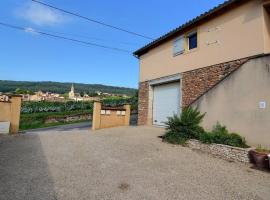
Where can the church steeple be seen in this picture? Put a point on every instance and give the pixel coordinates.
(72, 88)
(71, 94)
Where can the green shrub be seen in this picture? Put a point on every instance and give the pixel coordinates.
(181, 128)
(184, 127)
(220, 135)
(119, 101)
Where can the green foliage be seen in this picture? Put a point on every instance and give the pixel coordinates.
(183, 127)
(65, 95)
(220, 135)
(119, 101)
(43, 106)
(20, 91)
(34, 114)
(37, 120)
(187, 126)
(61, 88)
(262, 149)
(174, 138)
(36, 125)
(92, 94)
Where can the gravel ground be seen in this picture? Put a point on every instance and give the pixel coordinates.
(119, 163)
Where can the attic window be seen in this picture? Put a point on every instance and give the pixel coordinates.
(192, 40)
(178, 46)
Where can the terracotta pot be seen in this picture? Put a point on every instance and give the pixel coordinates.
(259, 159)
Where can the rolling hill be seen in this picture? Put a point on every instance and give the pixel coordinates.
(61, 88)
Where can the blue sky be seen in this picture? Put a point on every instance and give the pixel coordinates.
(30, 57)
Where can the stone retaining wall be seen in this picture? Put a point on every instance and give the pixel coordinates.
(223, 151)
(71, 118)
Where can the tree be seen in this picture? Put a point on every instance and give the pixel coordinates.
(92, 94)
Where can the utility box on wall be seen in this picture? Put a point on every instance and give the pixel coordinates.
(4, 127)
(106, 117)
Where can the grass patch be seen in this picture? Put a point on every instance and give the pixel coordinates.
(36, 126)
(262, 149)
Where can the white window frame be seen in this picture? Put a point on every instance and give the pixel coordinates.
(188, 35)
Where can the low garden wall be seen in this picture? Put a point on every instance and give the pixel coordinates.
(110, 116)
(223, 151)
(10, 107)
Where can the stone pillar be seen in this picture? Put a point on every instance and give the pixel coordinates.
(96, 116)
(16, 102)
(143, 103)
(127, 116)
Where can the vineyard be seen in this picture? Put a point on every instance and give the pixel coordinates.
(40, 107)
(35, 114)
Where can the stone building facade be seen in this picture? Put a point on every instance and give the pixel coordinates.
(194, 84)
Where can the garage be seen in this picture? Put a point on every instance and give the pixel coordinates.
(166, 102)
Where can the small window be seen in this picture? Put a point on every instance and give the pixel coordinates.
(178, 46)
(192, 40)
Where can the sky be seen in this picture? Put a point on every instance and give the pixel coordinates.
(27, 56)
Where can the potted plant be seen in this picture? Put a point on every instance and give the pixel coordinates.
(260, 157)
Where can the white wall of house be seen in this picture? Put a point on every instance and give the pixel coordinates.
(242, 102)
(238, 33)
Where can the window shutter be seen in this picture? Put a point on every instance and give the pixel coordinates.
(178, 46)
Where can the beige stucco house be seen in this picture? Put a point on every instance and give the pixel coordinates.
(219, 62)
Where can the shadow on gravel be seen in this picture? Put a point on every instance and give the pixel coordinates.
(24, 172)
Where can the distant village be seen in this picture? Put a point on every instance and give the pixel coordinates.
(55, 97)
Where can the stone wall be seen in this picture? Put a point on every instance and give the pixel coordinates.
(143, 103)
(223, 151)
(71, 118)
(197, 82)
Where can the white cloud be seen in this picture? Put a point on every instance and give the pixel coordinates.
(31, 30)
(40, 15)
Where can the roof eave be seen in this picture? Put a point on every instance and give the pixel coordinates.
(195, 21)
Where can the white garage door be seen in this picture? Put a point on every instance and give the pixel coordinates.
(166, 102)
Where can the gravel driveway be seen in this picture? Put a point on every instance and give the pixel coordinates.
(119, 163)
